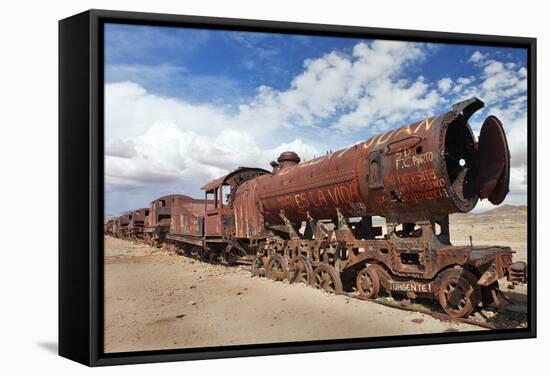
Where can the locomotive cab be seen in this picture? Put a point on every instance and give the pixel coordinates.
(218, 193)
(219, 219)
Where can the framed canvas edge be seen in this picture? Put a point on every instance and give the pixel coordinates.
(74, 279)
(95, 207)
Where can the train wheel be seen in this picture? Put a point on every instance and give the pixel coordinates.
(368, 283)
(328, 279)
(277, 268)
(258, 266)
(458, 294)
(302, 270)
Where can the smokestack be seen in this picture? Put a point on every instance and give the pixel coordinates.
(287, 159)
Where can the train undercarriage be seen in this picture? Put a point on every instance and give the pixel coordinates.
(412, 260)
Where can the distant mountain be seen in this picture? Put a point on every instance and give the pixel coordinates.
(507, 210)
(519, 211)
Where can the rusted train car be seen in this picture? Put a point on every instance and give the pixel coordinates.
(120, 225)
(187, 224)
(158, 221)
(137, 223)
(312, 222)
(205, 227)
(108, 227)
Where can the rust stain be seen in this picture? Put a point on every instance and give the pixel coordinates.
(308, 222)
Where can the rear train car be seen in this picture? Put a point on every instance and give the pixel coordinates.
(137, 223)
(187, 224)
(158, 220)
(120, 229)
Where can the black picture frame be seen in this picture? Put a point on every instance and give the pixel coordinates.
(81, 186)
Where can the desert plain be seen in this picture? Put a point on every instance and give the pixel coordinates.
(156, 299)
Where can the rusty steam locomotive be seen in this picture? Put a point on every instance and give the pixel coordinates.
(312, 222)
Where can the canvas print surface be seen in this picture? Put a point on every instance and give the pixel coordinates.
(266, 188)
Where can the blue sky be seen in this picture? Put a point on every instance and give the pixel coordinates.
(228, 66)
(242, 61)
(222, 99)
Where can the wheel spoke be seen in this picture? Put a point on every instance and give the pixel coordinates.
(367, 283)
(456, 294)
(326, 277)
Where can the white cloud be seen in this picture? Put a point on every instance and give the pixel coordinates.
(121, 149)
(166, 145)
(388, 105)
(158, 145)
(503, 87)
(364, 90)
(476, 57)
(367, 82)
(515, 125)
(465, 80)
(493, 67)
(444, 84)
(518, 182)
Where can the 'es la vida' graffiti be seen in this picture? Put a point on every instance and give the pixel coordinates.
(322, 197)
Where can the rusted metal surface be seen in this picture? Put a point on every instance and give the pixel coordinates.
(121, 224)
(220, 220)
(311, 221)
(437, 315)
(159, 219)
(159, 210)
(414, 176)
(422, 171)
(517, 272)
(108, 227)
(186, 216)
(246, 211)
(137, 223)
(494, 168)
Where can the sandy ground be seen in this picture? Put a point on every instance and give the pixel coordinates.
(157, 300)
(507, 229)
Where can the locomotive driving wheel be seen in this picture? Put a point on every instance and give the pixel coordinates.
(277, 268)
(367, 283)
(302, 270)
(258, 266)
(458, 293)
(328, 279)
